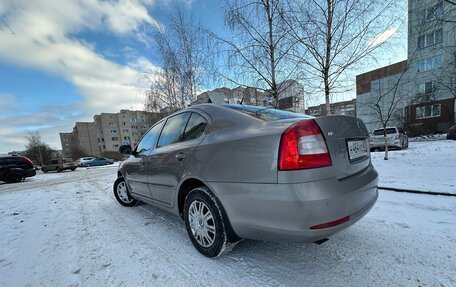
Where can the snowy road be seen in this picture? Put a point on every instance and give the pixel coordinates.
(67, 229)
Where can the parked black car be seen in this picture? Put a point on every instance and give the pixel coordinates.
(451, 135)
(15, 168)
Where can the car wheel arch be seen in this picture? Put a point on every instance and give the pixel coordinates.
(191, 183)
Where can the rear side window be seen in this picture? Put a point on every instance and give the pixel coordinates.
(148, 141)
(195, 127)
(7, 161)
(54, 161)
(173, 130)
(265, 113)
(388, 132)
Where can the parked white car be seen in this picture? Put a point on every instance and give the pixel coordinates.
(397, 139)
(82, 160)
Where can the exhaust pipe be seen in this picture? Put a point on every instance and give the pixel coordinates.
(321, 241)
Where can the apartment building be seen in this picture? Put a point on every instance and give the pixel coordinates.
(347, 108)
(291, 96)
(83, 139)
(125, 127)
(432, 66)
(383, 86)
(424, 86)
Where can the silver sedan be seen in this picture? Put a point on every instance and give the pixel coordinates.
(237, 171)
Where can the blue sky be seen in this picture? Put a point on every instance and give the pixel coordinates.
(66, 63)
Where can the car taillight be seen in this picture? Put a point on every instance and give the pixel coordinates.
(62, 161)
(29, 162)
(302, 146)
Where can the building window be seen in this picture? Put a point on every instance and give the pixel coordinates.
(126, 138)
(430, 63)
(115, 145)
(113, 131)
(143, 120)
(426, 88)
(114, 138)
(133, 120)
(112, 124)
(430, 111)
(125, 130)
(429, 14)
(124, 123)
(430, 39)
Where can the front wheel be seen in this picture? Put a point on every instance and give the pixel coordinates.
(204, 222)
(121, 193)
(58, 169)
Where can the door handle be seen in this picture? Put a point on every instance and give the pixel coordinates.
(180, 156)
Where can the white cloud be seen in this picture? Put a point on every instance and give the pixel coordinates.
(383, 37)
(44, 40)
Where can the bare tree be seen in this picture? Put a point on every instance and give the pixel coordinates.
(386, 102)
(257, 51)
(37, 150)
(335, 35)
(182, 47)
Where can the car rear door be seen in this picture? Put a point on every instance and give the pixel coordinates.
(179, 138)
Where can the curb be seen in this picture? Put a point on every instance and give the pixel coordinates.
(416, 191)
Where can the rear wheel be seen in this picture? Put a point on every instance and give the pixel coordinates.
(204, 222)
(121, 193)
(44, 170)
(13, 177)
(73, 169)
(58, 169)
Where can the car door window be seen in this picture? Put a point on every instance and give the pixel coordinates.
(148, 141)
(173, 129)
(195, 127)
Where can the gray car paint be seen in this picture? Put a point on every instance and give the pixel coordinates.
(237, 158)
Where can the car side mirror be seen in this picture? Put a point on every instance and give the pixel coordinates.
(125, 149)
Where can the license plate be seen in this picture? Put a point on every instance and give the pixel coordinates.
(357, 149)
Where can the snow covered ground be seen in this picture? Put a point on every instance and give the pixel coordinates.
(66, 229)
(424, 166)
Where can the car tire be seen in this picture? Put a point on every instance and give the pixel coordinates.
(121, 193)
(73, 169)
(58, 169)
(209, 235)
(44, 170)
(13, 177)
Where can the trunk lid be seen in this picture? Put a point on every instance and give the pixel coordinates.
(347, 140)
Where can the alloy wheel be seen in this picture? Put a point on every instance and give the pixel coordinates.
(122, 192)
(202, 223)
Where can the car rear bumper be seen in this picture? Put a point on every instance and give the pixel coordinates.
(285, 212)
(29, 172)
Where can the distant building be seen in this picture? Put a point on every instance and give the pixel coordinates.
(83, 138)
(248, 96)
(382, 81)
(347, 108)
(427, 78)
(291, 96)
(126, 127)
(108, 132)
(67, 141)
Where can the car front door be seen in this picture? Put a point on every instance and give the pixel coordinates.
(179, 138)
(135, 167)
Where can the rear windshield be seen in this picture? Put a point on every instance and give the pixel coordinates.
(388, 132)
(265, 113)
